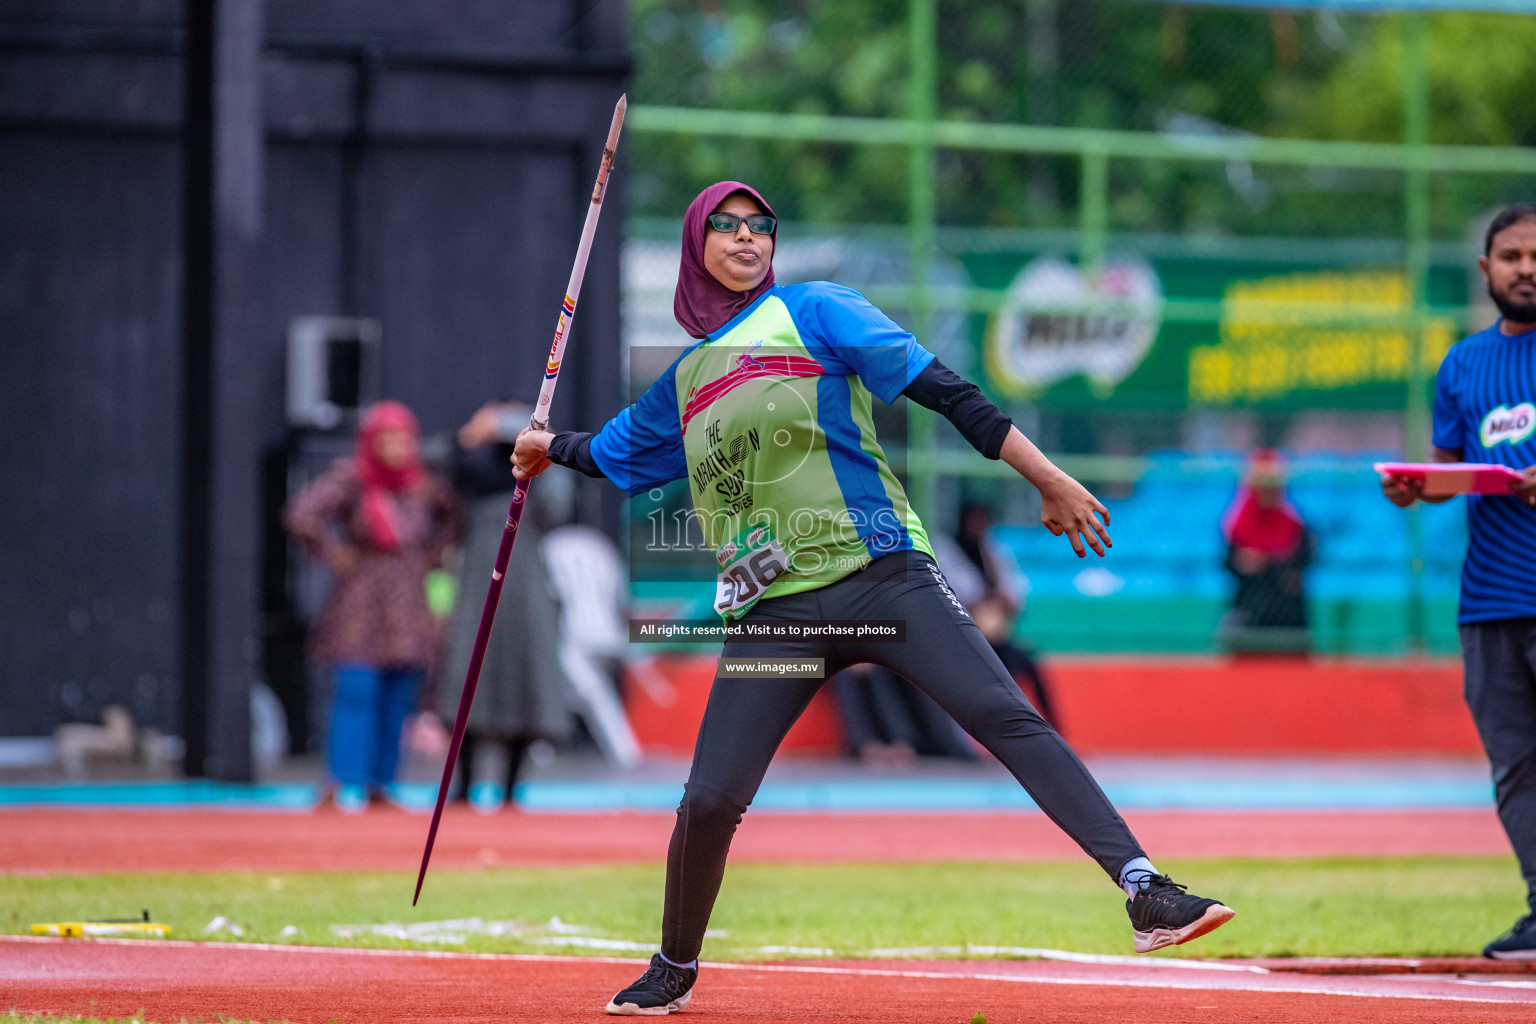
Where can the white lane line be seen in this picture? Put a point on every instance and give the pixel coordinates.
(1088, 981)
(1235, 985)
(426, 954)
(915, 952)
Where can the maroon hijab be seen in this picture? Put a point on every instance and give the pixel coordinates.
(702, 304)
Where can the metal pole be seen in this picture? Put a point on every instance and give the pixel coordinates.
(223, 140)
(1071, 141)
(1093, 206)
(920, 171)
(1416, 223)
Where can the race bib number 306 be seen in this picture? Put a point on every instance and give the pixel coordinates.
(748, 566)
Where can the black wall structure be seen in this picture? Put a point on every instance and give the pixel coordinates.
(178, 179)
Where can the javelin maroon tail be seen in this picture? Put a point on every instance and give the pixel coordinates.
(538, 421)
(472, 676)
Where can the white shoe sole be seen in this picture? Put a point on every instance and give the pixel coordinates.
(1513, 954)
(631, 1010)
(1213, 918)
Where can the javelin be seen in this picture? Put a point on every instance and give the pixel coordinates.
(538, 421)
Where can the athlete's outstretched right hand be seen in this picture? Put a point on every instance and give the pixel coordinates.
(530, 456)
(1066, 507)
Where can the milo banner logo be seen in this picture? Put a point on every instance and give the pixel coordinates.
(1511, 426)
(1059, 321)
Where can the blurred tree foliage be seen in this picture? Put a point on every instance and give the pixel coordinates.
(1127, 64)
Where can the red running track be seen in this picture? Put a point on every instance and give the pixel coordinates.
(90, 841)
(169, 981)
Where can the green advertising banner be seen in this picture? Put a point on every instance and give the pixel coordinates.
(1174, 333)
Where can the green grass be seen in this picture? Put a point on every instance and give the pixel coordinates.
(1357, 907)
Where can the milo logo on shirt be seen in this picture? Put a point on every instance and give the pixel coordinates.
(1511, 425)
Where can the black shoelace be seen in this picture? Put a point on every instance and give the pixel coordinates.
(671, 980)
(1151, 883)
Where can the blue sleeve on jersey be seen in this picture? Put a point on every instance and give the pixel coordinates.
(848, 334)
(1449, 431)
(642, 447)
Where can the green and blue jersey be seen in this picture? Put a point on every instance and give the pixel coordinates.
(769, 419)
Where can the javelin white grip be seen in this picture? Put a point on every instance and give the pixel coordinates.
(540, 418)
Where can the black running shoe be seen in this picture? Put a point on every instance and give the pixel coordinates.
(1165, 914)
(1519, 943)
(661, 989)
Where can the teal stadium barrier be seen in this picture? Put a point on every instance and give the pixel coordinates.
(1164, 588)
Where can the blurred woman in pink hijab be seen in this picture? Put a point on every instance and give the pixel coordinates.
(381, 521)
(1268, 546)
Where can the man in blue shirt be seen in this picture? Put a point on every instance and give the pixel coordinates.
(1485, 411)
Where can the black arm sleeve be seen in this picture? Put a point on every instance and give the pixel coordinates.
(979, 421)
(573, 450)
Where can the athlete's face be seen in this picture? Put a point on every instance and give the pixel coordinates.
(738, 259)
(1510, 270)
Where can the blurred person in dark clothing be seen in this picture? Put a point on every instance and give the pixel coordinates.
(381, 521)
(887, 720)
(1268, 546)
(987, 583)
(523, 696)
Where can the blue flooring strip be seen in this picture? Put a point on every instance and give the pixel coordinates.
(950, 795)
(842, 795)
(171, 795)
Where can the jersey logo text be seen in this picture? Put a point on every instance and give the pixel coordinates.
(1508, 425)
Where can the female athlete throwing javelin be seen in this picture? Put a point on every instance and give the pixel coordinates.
(768, 417)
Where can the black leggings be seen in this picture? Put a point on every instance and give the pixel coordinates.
(944, 655)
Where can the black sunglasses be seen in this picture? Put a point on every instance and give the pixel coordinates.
(757, 223)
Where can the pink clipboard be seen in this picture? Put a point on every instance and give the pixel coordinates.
(1442, 478)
